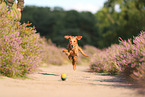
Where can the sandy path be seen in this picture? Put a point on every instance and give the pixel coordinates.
(47, 83)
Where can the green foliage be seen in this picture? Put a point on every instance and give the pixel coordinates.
(125, 22)
(55, 23)
(101, 29)
(19, 46)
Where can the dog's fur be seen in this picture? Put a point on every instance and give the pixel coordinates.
(73, 49)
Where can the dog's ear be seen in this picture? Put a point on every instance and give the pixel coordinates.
(66, 37)
(79, 37)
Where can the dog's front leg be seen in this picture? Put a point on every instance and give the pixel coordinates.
(74, 59)
(66, 52)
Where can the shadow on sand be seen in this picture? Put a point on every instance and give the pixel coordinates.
(48, 74)
(117, 81)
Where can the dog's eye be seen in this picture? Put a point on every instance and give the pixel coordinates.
(74, 41)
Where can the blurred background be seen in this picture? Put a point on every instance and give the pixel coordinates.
(100, 22)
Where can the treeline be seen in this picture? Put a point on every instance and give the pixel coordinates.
(55, 24)
(101, 29)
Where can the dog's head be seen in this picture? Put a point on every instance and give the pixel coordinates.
(73, 39)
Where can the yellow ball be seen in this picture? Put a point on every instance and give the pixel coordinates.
(63, 77)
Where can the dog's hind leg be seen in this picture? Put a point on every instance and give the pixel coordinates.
(82, 52)
(74, 59)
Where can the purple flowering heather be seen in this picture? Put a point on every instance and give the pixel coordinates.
(19, 47)
(133, 54)
(128, 58)
(104, 61)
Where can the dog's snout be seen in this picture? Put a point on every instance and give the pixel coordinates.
(72, 46)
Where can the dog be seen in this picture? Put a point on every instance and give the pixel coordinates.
(73, 49)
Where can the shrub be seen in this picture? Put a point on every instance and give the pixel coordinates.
(90, 51)
(52, 55)
(104, 61)
(19, 46)
(128, 58)
(132, 56)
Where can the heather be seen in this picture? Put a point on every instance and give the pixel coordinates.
(19, 46)
(104, 60)
(90, 51)
(127, 58)
(132, 57)
(51, 54)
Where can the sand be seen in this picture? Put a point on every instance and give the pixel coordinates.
(80, 83)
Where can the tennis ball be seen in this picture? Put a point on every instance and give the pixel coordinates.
(63, 77)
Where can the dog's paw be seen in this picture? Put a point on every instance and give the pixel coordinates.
(64, 50)
(74, 68)
(87, 56)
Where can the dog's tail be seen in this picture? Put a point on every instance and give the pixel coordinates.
(83, 52)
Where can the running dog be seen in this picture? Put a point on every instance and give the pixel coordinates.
(73, 49)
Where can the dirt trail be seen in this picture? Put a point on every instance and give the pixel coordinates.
(79, 83)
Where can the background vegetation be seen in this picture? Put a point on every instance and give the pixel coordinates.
(100, 29)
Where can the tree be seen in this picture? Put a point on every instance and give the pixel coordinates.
(127, 22)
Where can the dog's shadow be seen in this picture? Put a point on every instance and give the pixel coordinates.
(48, 74)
